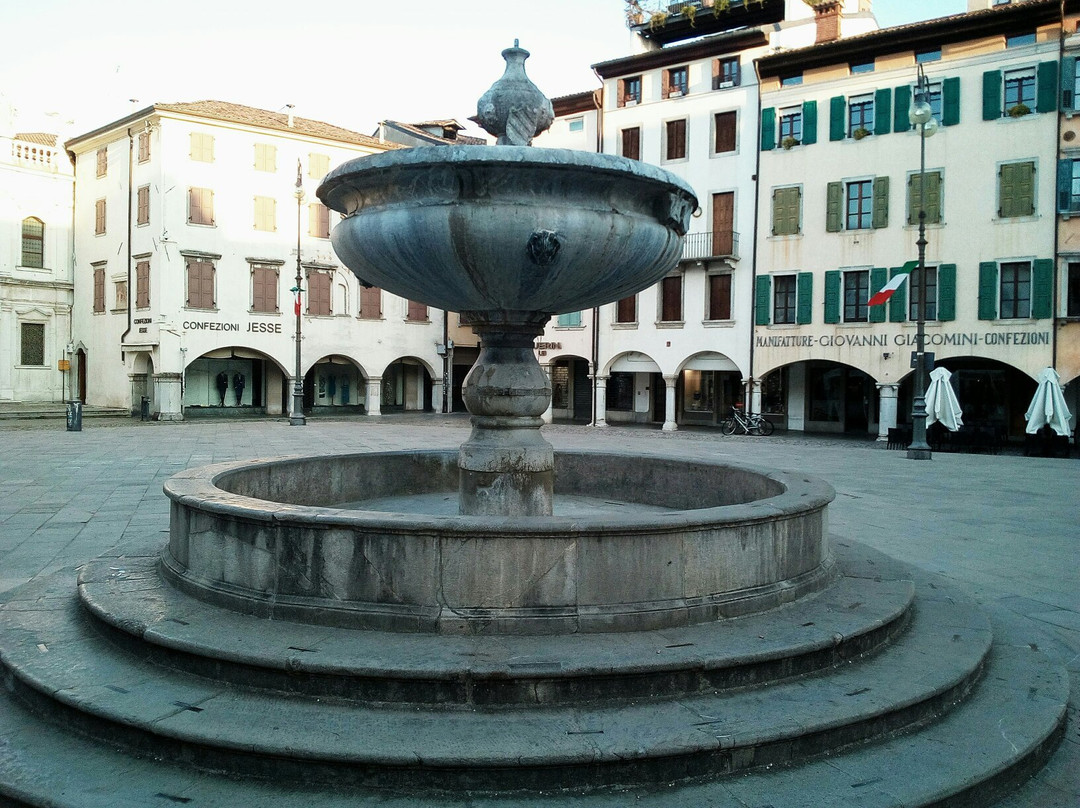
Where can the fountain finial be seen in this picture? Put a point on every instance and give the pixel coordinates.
(513, 109)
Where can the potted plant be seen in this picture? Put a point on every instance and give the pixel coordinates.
(689, 11)
(1019, 110)
(789, 141)
(860, 133)
(657, 20)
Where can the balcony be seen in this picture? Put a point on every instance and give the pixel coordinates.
(711, 244)
(667, 23)
(32, 155)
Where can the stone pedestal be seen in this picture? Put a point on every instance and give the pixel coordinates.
(601, 400)
(670, 424)
(886, 409)
(507, 468)
(374, 396)
(169, 397)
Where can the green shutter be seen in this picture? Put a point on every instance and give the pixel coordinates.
(879, 276)
(809, 122)
(837, 118)
(950, 101)
(832, 296)
(1016, 189)
(768, 128)
(902, 103)
(882, 111)
(946, 292)
(763, 300)
(1046, 87)
(933, 197)
(988, 278)
(804, 298)
(913, 199)
(1068, 77)
(881, 202)
(1064, 186)
(570, 319)
(898, 302)
(991, 95)
(834, 198)
(1042, 288)
(786, 211)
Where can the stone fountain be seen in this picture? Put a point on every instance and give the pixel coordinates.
(573, 627)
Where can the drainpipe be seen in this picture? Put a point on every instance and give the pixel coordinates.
(130, 290)
(598, 102)
(1055, 286)
(748, 393)
(70, 374)
(595, 356)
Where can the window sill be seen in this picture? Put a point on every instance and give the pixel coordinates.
(784, 237)
(201, 224)
(728, 153)
(364, 319)
(1034, 217)
(1012, 322)
(718, 323)
(670, 323)
(142, 224)
(31, 367)
(118, 310)
(416, 322)
(569, 327)
(929, 226)
(624, 326)
(196, 308)
(667, 161)
(257, 313)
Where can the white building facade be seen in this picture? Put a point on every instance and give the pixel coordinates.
(187, 224)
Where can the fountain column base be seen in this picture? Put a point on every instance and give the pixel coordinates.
(507, 468)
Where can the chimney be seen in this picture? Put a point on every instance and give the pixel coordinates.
(827, 20)
(290, 108)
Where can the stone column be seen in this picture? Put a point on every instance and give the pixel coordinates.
(549, 414)
(374, 396)
(168, 396)
(669, 404)
(601, 400)
(755, 395)
(886, 409)
(437, 394)
(507, 468)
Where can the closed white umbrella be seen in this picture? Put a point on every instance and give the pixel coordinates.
(941, 403)
(1048, 407)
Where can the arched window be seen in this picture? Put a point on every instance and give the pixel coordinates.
(33, 242)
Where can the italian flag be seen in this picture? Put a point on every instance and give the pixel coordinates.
(296, 305)
(894, 283)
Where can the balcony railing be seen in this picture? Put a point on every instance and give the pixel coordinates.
(34, 155)
(711, 244)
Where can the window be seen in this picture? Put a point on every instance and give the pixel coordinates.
(860, 120)
(856, 294)
(142, 285)
(202, 147)
(576, 124)
(1019, 89)
(931, 294)
(861, 67)
(417, 312)
(631, 143)
(671, 299)
(318, 166)
(121, 297)
(102, 161)
(99, 288)
(99, 217)
(791, 126)
(1015, 290)
(265, 213)
(922, 57)
(935, 100)
(620, 392)
(1019, 40)
(371, 303)
(725, 73)
(629, 91)
(676, 81)
(1016, 190)
(791, 81)
(200, 206)
(1072, 290)
(1069, 186)
(784, 299)
(142, 214)
(318, 220)
(924, 190)
(724, 132)
(318, 289)
(32, 339)
(33, 243)
(787, 209)
(719, 300)
(265, 157)
(570, 319)
(200, 283)
(264, 288)
(675, 139)
(626, 309)
(859, 205)
(144, 146)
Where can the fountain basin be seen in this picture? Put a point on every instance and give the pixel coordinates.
(678, 543)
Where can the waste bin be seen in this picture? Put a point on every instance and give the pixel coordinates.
(144, 409)
(74, 416)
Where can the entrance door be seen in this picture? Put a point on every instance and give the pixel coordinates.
(659, 397)
(723, 212)
(81, 357)
(582, 391)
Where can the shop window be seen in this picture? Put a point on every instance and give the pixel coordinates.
(33, 243)
(719, 302)
(924, 190)
(142, 285)
(1072, 290)
(99, 217)
(826, 387)
(784, 299)
(142, 207)
(371, 303)
(676, 81)
(675, 139)
(699, 391)
(200, 284)
(264, 288)
(787, 211)
(318, 220)
(571, 319)
(560, 386)
(265, 157)
(200, 206)
(931, 294)
(629, 91)
(202, 147)
(99, 288)
(774, 392)
(626, 310)
(1016, 189)
(265, 213)
(620, 392)
(417, 312)
(725, 73)
(144, 146)
(724, 124)
(671, 299)
(857, 204)
(32, 344)
(319, 290)
(856, 295)
(631, 143)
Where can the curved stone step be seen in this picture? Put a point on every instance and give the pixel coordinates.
(1005, 729)
(83, 680)
(854, 617)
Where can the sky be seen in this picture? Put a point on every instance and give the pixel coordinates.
(80, 65)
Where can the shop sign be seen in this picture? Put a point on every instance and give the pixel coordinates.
(548, 346)
(252, 328)
(973, 339)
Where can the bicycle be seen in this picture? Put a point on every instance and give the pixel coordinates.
(751, 423)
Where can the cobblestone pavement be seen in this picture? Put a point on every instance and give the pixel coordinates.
(1004, 527)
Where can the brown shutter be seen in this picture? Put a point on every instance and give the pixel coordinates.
(671, 293)
(676, 139)
(144, 146)
(99, 289)
(144, 205)
(626, 310)
(622, 93)
(142, 284)
(725, 132)
(631, 143)
(417, 311)
(720, 297)
(665, 89)
(371, 303)
(723, 223)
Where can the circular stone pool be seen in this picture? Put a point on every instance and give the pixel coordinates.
(635, 543)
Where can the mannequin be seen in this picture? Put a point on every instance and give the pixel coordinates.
(222, 386)
(238, 382)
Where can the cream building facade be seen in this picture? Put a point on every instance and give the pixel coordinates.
(187, 225)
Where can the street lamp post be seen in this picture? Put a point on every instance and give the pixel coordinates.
(296, 418)
(922, 118)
